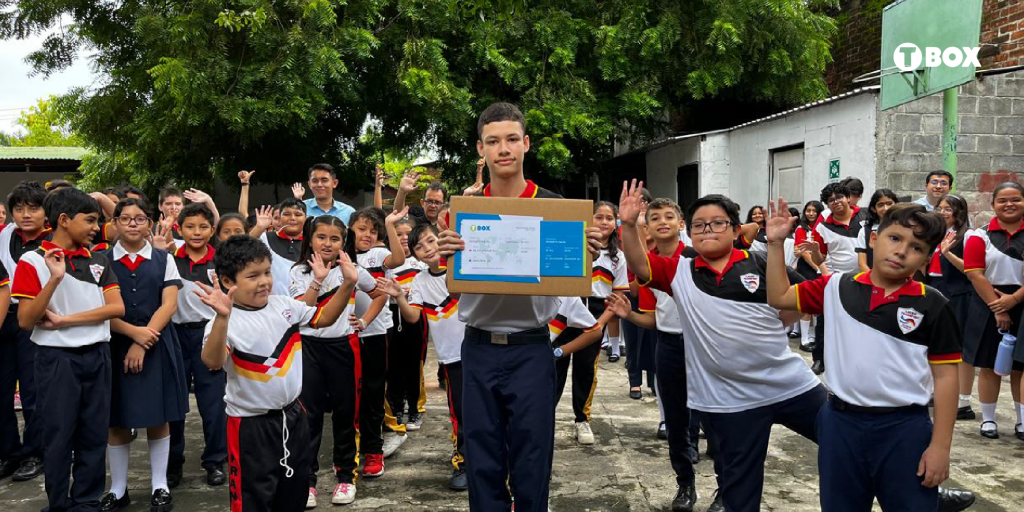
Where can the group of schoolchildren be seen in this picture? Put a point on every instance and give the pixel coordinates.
(227, 304)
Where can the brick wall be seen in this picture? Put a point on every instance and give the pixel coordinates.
(990, 148)
(857, 48)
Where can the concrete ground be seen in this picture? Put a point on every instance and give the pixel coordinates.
(627, 469)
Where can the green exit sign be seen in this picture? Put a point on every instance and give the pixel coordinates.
(833, 170)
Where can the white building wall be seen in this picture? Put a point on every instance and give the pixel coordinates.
(843, 129)
(663, 164)
(714, 164)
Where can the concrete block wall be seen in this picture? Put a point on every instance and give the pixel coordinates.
(714, 164)
(990, 146)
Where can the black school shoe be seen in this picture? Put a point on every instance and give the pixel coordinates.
(954, 500)
(818, 367)
(458, 481)
(162, 501)
(685, 499)
(216, 476)
(662, 431)
(614, 358)
(109, 502)
(716, 502)
(174, 476)
(636, 394)
(965, 413)
(29, 469)
(8, 468)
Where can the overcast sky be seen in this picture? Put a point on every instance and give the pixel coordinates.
(19, 91)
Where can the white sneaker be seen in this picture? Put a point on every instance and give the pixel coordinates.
(344, 494)
(311, 500)
(415, 422)
(584, 435)
(391, 443)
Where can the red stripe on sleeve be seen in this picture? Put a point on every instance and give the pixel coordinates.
(810, 295)
(26, 281)
(974, 254)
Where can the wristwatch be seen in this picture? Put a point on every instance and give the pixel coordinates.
(558, 352)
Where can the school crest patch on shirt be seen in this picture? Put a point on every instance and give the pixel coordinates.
(97, 271)
(287, 314)
(908, 319)
(751, 282)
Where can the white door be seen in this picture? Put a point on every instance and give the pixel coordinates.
(788, 175)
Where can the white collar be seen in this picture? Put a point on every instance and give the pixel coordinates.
(146, 252)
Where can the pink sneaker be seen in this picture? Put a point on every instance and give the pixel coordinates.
(311, 500)
(344, 494)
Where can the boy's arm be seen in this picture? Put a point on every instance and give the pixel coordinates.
(264, 219)
(106, 205)
(114, 308)
(243, 195)
(397, 256)
(620, 306)
(198, 196)
(5, 299)
(405, 187)
(215, 351)
(336, 306)
(934, 464)
(411, 314)
(591, 336)
(632, 246)
(378, 183)
(779, 292)
(390, 287)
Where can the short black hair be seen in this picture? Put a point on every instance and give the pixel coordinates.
(437, 185)
(27, 193)
(832, 189)
(55, 185)
(235, 253)
(661, 203)
(321, 167)
(927, 226)
(942, 173)
(855, 185)
(68, 201)
(732, 210)
(498, 112)
(168, 192)
(291, 202)
(417, 232)
(131, 189)
(645, 195)
(195, 210)
(131, 201)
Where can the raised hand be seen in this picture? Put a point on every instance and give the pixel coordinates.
(780, 222)
(244, 176)
(378, 176)
(630, 202)
(408, 183)
(265, 217)
(298, 191)
(349, 273)
(197, 196)
(618, 304)
(159, 237)
(396, 216)
(948, 242)
(594, 242)
(389, 286)
(477, 185)
(215, 298)
(318, 267)
(55, 263)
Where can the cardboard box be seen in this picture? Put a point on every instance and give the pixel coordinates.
(551, 210)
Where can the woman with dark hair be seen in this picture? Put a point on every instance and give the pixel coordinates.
(757, 214)
(805, 265)
(946, 274)
(881, 201)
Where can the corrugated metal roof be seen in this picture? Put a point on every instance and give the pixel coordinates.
(42, 153)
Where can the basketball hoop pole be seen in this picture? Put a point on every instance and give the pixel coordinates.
(949, 132)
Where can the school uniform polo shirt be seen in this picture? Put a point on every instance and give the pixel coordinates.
(609, 275)
(572, 313)
(5, 280)
(429, 294)
(507, 314)
(838, 242)
(737, 351)
(300, 280)
(265, 364)
(190, 308)
(373, 262)
(881, 347)
(666, 313)
(284, 253)
(997, 252)
(88, 277)
(14, 243)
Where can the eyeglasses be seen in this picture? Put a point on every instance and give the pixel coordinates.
(939, 183)
(944, 209)
(138, 219)
(432, 202)
(835, 199)
(716, 226)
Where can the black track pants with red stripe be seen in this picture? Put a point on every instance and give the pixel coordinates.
(453, 374)
(330, 382)
(261, 478)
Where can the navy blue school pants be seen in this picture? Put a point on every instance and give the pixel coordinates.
(743, 444)
(671, 363)
(509, 413)
(75, 388)
(862, 456)
(209, 390)
(17, 366)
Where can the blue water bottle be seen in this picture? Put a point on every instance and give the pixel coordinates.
(1004, 357)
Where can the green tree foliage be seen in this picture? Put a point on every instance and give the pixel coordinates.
(44, 126)
(215, 85)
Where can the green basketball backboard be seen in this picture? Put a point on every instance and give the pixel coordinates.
(928, 46)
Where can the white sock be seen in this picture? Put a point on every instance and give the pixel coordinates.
(117, 457)
(614, 340)
(988, 412)
(1019, 410)
(158, 452)
(965, 401)
(805, 331)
